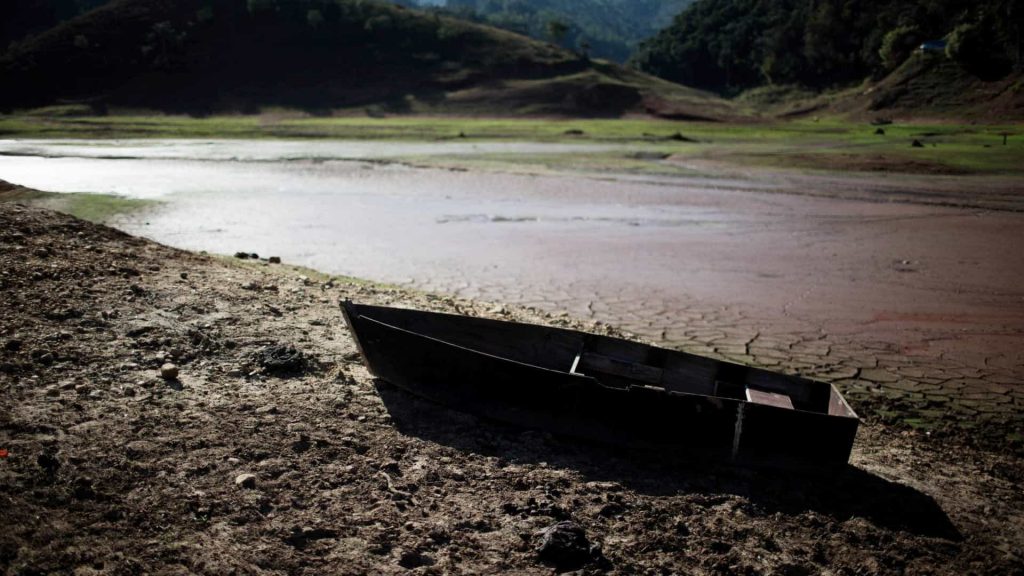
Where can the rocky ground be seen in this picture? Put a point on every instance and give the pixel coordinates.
(171, 412)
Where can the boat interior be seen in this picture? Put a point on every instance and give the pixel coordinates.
(615, 362)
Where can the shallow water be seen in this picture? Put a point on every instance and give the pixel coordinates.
(675, 260)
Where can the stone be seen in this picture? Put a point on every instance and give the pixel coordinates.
(281, 359)
(169, 371)
(564, 545)
(247, 481)
(274, 260)
(411, 559)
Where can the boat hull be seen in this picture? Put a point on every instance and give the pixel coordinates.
(565, 403)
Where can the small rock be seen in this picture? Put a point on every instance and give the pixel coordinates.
(564, 545)
(412, 559)
(82, 388)
(302, 537)
(247, 481)
(254, 256)
(281, 360)
(242, 255)
(916, 144)
(169, 371)
(880, 131)
(48, 462)
(82, 489)
(137, 290)
(13, 345)
(274, 260)
(184, 275)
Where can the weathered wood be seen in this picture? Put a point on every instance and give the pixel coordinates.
(602, 388)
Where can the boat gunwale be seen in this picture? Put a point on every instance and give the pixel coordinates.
(347, 305)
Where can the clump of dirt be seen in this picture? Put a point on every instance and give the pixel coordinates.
(282, 360)
(106, 467)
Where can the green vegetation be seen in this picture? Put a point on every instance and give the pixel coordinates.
(22, 18)
(99, 208)
(640, 144)
(732, 45)
(202, 57)
(609, 29)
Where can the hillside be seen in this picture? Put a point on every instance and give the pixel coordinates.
(207, 56)
(22, 18)
(932, 86)
(609, 29)
(730, 46)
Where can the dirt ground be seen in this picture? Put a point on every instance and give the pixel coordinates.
(244, 465)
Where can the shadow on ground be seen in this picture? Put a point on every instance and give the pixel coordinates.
(839, 492)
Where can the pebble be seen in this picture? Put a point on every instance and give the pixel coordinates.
(246, 480)
(169, 371)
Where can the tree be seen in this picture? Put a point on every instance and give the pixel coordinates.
(973, 46)
(314, 18)
(556, 30)
(897, 45)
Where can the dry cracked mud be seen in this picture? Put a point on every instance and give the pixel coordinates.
(238, 466)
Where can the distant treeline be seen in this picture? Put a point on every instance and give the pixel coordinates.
(609, 29)
(21, 18)
(202, 55)
(732, 45)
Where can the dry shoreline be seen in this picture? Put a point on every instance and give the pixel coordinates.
(113, 470)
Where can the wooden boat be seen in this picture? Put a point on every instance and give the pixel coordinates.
(603, 388)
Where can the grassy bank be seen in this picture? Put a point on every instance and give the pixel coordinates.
(832, 144)
(99, 208)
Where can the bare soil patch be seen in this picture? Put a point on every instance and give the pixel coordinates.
(231, 467)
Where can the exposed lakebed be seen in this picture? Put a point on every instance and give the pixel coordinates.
(838, 288)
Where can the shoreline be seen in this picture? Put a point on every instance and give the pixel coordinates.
(832, 144)
(109, 464)
(940, 370)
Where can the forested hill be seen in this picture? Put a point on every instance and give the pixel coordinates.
(731, 45)
(201, 56)
(22, 18)
(610, 29)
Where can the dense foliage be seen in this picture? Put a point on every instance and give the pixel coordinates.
(227, 53)
(609, 29)
(21, 18)
(732, 45)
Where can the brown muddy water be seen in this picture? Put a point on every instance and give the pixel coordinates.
(679, 260)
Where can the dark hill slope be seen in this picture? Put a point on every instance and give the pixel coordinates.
(238, 55)
(729, 46)
(933, 86)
